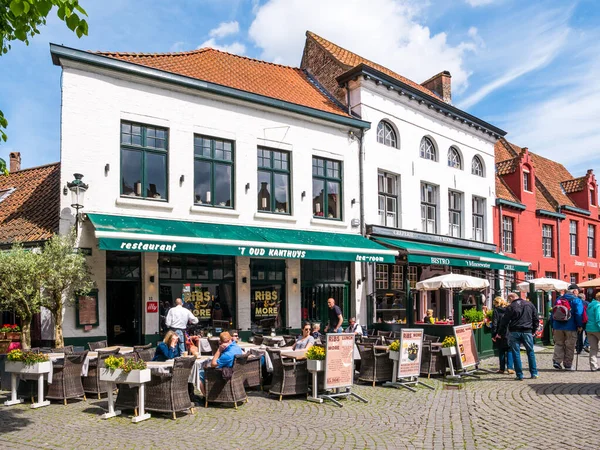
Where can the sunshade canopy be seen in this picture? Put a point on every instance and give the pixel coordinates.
(452, 281)
(544, 284)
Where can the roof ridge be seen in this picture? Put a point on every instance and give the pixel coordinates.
(57, 163)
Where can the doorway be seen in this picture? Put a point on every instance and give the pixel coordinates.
(124, 312)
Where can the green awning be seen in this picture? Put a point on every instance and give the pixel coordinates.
(137, 234)
(421, 253)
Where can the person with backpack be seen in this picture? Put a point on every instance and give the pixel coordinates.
(566, 321)
(504, 352)
(592, 330)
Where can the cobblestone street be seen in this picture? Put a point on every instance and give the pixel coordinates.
(493, 412)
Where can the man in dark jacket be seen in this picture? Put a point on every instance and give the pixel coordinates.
(521, 321)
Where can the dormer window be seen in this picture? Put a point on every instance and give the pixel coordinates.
(526, 181)
(4, 193)
(592, 197)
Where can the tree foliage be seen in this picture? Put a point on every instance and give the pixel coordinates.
(3, 170)
(20, 20)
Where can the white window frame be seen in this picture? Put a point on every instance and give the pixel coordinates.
(387, 197)
(386, 134)
(427, 149)
(429, 206)
(508, 236)
(547, 240)
(477, 167)
(478, 215)
(455, 213)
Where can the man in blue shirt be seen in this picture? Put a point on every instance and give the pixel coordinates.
(565, 331)
(224, 356)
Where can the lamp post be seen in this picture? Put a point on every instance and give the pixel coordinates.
(78, 189)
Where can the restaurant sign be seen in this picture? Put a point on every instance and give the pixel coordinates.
(266, 303)
(200, 299)
(458, 262)
(339, 360)
(466, 346)
(411, 346)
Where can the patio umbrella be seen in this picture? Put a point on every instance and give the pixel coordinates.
(544, 284)
(452, 281)
(590, 283)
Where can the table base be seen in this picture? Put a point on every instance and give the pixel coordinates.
(139, 418)
(348, 393)
(13, 402)
(407, 383)
(109, 415)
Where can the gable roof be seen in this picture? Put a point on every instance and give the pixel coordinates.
(289, 84)
(504, 192)
(574, 185)
(31, 211)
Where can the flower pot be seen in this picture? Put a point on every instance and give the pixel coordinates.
(118, 376)
(19, 367)
(13, 336)
(394, 355)
(2, 334)
(448, 351)
(315, 365)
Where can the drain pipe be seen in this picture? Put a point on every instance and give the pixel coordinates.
(558, 249)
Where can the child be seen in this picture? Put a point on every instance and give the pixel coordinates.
(429, 317)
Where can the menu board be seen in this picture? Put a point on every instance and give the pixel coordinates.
(465, 346)
(411, 349)
(339, 360)
(87, 309)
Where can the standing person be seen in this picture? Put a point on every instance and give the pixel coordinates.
(592, 330)
(177, 320)
(567, 321)
(354, 327)
(582, 341)
(335, 317)
(504, 353)
(520, 322)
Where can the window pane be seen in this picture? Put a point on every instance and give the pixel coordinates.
(318, 167)
(282, 194)
(131, 173)
(318, 197)
(334, 206)
(264, 191)
(156, 176)
(202, 192)
(223, 185)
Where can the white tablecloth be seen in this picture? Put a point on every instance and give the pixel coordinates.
(164, 367)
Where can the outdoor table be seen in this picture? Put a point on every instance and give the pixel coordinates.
(122, 350)
(381, 347)
(258, 350)
(296, 354)
(38, 369)
(164, 367)
(144, 377)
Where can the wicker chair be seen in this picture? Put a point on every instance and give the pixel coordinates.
(253, 372)
(270, 342)
(432, 360)
(66, 378)
(396, 334)
(67, 350)
(428, 337)
(374, 367)
(384, 333)
(96, 345)
(289, 340)
(226, 391)
(92, 383)
(257, 339)
(168, 393)
(214, 344)
(146, 354)
(142, 347)
(290, 377)
(372, 340)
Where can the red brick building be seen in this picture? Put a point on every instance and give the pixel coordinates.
(545, 216)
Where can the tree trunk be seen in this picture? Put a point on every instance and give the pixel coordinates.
(26, 333)
(58, 327)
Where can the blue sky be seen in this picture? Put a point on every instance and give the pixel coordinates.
(527, 67)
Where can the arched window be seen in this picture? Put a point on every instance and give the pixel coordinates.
(427, 149)
(386, 134)
(477, 166)
(454, 158)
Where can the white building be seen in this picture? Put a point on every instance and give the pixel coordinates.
(228, 181)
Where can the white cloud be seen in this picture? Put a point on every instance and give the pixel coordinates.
(225, 29)
(235, 47)
(476, 3)
(387, 31)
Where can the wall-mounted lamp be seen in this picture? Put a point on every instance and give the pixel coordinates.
(303, 194)
(295, 281)
(151, 278)
(181, 179)
(358, 283)
(247, 187)
(244, 280)
(65, 190)
(353, 202)
(106, 169)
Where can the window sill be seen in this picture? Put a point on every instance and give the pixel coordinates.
(144, 204)
(275, 217)
(212, 211)
(328, 223)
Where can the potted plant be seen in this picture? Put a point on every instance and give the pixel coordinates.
(117, 370)
(14, 334)
(5, 329)
(394, 349)
(315, 358)
(27, 362)
(474, 317)
(449, 346)
(488, 318)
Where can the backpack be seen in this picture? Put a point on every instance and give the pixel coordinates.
(562, 310)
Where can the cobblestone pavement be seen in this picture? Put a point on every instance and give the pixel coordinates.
(494, 412)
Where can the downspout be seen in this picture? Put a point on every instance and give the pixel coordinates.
(499, 289)
(558, 248)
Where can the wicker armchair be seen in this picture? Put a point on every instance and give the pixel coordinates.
(168, 393)
(270, 342)
(432, 360)
(396, 334)
(253, 372)
(372, 340)
(257, 339)
(289, 340)
(146, 354)
(141, 347)
(66, 378)
(96, 345)
(219, 390)
(290, 377)
(92, 383)
(67, 350)
(428, 337)
(384, 333)
(214, 344)
(375, 367)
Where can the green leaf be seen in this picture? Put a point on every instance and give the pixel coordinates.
(61, 13)
(16, 7)
(80, 9)
(44, 7)
(26, 7)
(72, 22)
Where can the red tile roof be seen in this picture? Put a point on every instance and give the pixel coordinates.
(574, 185)
(289, 84)
(31, 211)
(350, 60)
(507, 167)
(504, 192)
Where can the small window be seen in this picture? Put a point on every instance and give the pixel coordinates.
(547, 240)
(592, 197)
(427, 149)
(573, 237)
(386, 134)
(388, 199)
(454, 159)
(507, 235)
(591, 241)
(327, 188)
(428, 208)
(477, 166)
(526, 181)
(273, 181)
(478, 218)
(455, 214)
(213, 172)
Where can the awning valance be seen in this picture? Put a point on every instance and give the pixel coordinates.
(125, 233)
(422, 253)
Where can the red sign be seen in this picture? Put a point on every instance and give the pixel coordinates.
(152, 307)
(540, 330)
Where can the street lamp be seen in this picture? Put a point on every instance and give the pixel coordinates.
(78, 189)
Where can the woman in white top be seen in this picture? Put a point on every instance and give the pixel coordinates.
(305, 341)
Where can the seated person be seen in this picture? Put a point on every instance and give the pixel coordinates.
(354, 327)
(429, 317)
(224, 356)
(305, 341)
(168, 348)
(316, 330)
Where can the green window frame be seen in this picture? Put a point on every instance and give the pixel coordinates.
(214, 163)
(327, 179)
(143, 149)
(274, 172)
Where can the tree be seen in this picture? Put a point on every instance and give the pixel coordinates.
(64, 274)
(20, 20)
(3, 170)
(20, 287)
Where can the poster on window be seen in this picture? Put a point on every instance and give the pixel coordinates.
(465, 346)
(339, 360)
(411, 346)
(265, 302)
(201, 301)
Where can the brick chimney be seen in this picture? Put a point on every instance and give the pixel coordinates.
(15, 161)
(441, 84)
